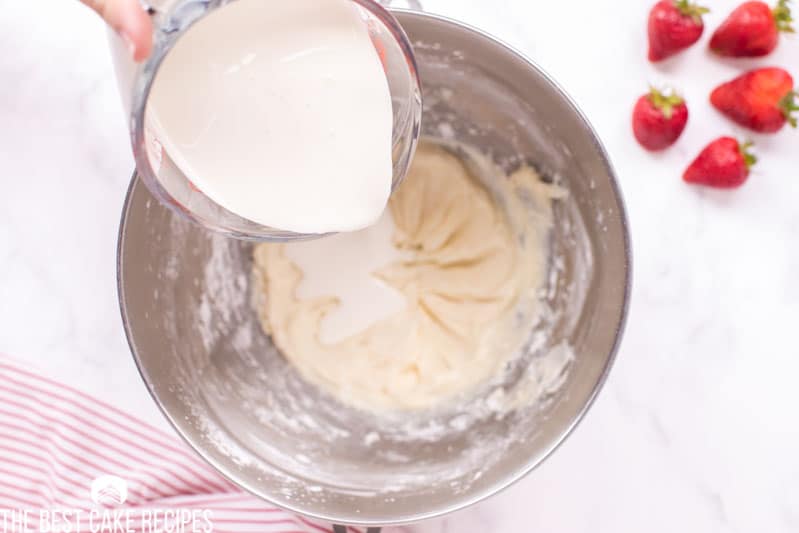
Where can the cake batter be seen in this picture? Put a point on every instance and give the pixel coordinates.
(464, 270)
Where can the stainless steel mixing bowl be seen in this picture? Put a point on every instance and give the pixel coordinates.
(186, 304)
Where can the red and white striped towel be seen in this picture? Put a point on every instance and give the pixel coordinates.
(55, 441)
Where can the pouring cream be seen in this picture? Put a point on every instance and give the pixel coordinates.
(281, 113)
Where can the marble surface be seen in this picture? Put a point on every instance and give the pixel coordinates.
(696, 429)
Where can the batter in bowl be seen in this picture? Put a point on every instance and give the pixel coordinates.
(466, 268)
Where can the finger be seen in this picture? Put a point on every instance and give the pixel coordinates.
(130, 21)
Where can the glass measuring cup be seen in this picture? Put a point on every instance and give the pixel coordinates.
(168, 183)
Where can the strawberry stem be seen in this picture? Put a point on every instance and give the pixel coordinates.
(788, 104)
(749, 158)
(782, 16)
(689, 9)
(665, 101)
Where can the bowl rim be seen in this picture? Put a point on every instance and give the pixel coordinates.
(460, 503)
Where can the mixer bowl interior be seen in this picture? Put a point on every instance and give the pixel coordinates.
(187, 306)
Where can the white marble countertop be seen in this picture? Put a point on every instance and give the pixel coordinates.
(696, 429)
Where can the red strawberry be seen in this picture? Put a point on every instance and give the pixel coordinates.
(673, 26)
(723, 163)
(752, 29)
(761, 99)
(659, 119)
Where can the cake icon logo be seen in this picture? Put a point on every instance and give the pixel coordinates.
(109, 490)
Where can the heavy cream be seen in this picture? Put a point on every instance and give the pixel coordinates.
(343, 267)
(281, 113)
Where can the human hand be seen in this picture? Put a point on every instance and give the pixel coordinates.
(130, 21)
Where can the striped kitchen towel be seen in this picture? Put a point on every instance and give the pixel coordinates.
(70, 463)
